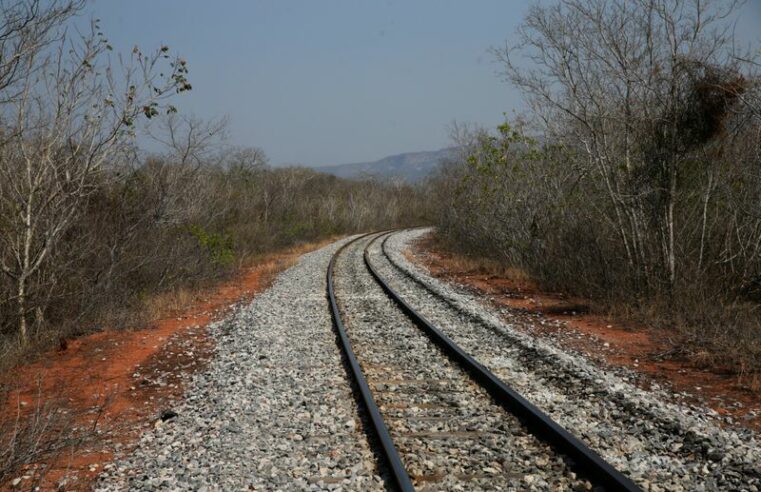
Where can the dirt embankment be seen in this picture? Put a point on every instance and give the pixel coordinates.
(573, 324)
(91, 399)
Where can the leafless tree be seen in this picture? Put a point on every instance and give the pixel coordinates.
(26, 28)
(640, 188)
(72, 110)
(191, 141)
(249, 158)
(609, 76)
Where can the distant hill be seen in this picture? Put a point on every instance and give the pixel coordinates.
(411, 166)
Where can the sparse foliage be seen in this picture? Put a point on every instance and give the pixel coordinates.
(66, 113)
(642, 188)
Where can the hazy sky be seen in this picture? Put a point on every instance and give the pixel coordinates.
(335, 81)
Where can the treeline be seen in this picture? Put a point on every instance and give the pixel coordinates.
(91, 227)
(635, 178)
(160, 224)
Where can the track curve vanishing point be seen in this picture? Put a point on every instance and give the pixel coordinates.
(422, 378)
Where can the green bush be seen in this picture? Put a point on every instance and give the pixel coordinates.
(218, 246)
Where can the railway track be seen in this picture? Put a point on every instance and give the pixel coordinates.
(441, 419)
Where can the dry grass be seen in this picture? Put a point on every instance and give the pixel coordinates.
(486, 266)
(263, 267)
(289, 256)
(475, 264)
(35, 433)
(725, 338)
(13, 353)
(168, 303)
(160, 305)
(717, 336)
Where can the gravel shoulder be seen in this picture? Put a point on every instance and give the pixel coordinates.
(274, 409)
(663, 446)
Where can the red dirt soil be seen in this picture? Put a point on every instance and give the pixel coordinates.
(570, 323)
(124, 379)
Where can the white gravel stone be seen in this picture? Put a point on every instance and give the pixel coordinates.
(661, 444)
(271, 411)
(449, 432)
(274, 409)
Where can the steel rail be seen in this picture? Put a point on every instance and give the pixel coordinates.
(592, 465)
(399, 474)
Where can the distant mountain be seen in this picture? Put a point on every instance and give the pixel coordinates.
(412, 166)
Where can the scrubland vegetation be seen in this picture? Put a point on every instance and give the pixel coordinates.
(91, 226)
(635, 177)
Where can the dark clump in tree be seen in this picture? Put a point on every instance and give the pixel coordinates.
(641, 185)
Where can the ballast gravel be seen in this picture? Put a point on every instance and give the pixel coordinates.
(274, 410)
(449, 432)
(663, 446)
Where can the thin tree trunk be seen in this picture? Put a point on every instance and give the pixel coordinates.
(21, 301)
(671, 229)
(25, 264)
(705, 220)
